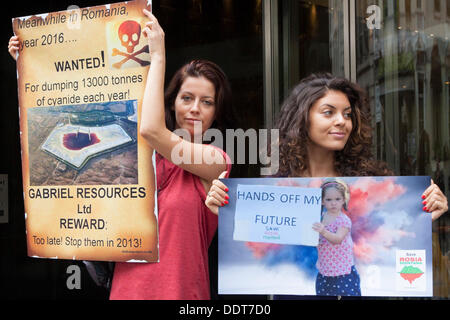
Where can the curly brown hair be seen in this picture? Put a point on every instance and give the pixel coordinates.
(355, 159)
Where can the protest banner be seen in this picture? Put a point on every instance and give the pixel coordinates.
(389, 243)
(88, 177)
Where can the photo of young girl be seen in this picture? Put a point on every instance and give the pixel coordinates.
(337, 274)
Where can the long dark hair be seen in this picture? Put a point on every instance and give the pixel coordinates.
(293, 124)
(224, 114)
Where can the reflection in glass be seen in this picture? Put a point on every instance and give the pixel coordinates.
(311, 39)
(404, 65)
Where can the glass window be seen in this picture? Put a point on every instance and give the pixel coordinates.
(400, 54)
(311, 40)
(404, 65)
(437, 6)
(228, 33)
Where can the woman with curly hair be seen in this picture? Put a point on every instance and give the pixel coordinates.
(343, 148)
(324, 131)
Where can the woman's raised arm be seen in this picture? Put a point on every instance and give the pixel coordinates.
(153, 126)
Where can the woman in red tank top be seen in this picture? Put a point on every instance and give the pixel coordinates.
(197, 98)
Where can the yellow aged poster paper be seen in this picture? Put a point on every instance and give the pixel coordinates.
(88, 177)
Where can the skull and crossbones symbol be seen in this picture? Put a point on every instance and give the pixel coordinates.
(129, 35)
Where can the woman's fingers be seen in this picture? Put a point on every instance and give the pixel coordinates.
(14, 39)
(155, 35)
(13, 46)
(149, 24)
(153, 23)
(437, 206)
(219, 189)
(215, 199)
(149, 15)
(219, 184)
(213, 204)
(217, 195)
(436, 209)
(434, 201)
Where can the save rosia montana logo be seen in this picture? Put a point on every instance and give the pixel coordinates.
(411, 267)
(410, 273)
